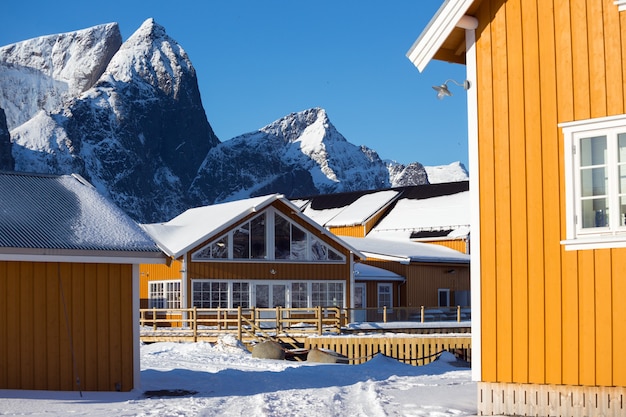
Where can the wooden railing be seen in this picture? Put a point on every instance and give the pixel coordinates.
(421, 314)
(245, 323)
(267, 323)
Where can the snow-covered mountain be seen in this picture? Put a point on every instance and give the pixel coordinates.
(300, 154)
(129, 118)
(453, 172)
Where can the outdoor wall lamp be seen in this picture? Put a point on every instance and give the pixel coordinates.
(442, 90)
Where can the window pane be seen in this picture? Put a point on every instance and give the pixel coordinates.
(621, 146)
(257, 236)
(262, 295)
(318, 250)
(593, 182)
(622, 179)
(219, 249)
(281, 237)
(298, 243)
(241, 242)
(278, 295)
(622, 211)
(241, 294)
(299, 295)
(593, 151)
(595, 213)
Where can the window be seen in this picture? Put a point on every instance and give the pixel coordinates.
(595, 183)
(444, 297)
(385, 296)
(208, 294)
(326, 294)
(164, 294)
(251, 239)
(266, 294)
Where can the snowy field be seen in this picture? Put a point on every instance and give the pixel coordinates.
(228, 381)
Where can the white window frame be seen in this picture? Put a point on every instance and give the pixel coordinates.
(577, 238)
(169, 294)
(380, 293)
(329, 254)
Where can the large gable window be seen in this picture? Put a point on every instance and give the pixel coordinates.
(595, 183)
(268, 236)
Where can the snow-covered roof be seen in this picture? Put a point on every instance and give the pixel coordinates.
(65, 215)
(196, 225)
(346, 209)
(364, 272)
(406, 251)
(447, 212)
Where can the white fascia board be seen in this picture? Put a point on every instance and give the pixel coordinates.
(437, 31)
(83, 259)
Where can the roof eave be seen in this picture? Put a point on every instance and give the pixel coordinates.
(82, 256)
(437, 31)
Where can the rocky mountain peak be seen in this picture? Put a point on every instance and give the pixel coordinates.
(152, 56)
(45, 72)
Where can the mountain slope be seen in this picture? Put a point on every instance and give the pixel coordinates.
(129, 118)
(300, 154)
(138, 134)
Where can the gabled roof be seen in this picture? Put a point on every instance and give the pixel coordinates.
(441, 39)
(405, 251)
(194, 226)
(348, 209)
(50, 215)
(412, 215)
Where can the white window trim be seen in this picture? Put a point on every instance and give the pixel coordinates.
(587, 240)
(270, 245)
(621, 5)
(378, 294)
(165, 293)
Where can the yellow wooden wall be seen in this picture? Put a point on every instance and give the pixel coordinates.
(549, 316)
(460, 245)
(351, 231)
(424, 280)
(37, 302)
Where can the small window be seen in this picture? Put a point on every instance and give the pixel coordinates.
(385, 294)
(595, 183)
(444, 297)
(164, 294)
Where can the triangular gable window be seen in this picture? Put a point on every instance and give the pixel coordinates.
(268, 236)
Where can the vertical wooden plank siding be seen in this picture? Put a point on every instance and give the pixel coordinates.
(502, 168)
(550, 206)
(460, 245)
(619, 317)
(35, 332)
(489, 318)
(548, 315)
(534, 194)
(517, 161)
(352, 231)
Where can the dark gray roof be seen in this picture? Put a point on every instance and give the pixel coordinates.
(64, 212)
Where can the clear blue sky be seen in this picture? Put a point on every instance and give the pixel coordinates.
(257, 61)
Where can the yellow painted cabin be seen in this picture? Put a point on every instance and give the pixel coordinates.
(546, 121)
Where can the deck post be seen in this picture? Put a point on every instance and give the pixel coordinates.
(422, 314)
(320, 320)
(239, 324)
(384, 314)
(458, 314)
(194, 323)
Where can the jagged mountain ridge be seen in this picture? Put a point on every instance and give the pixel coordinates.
(137, 130)
(299, 154)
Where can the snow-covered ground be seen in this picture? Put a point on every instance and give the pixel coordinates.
(227, 381)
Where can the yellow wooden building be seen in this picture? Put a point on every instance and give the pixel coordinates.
(258, 252)
(69, 280)
(547, 145)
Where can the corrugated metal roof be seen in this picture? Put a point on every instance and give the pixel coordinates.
(39, 211)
